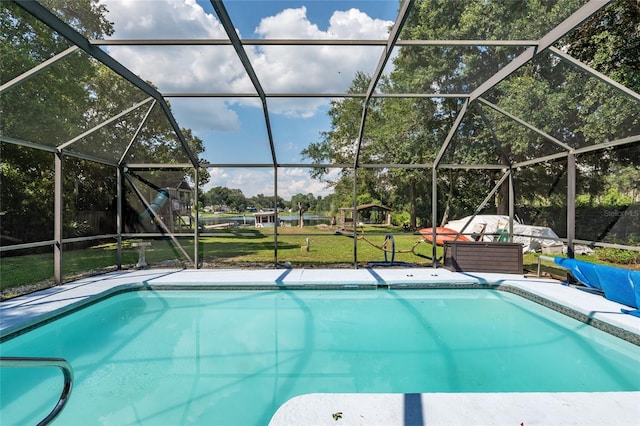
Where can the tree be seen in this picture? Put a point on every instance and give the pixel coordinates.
(263, 202)
(47, 109)
(339, 146)
(548, 93)
(610, 41)
(220, 197)
(326, 204)
(54, 107)
(451, 69)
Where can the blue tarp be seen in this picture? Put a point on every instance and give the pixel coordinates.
(584, 272)
(619, 285)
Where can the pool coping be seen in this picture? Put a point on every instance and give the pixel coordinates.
(22, 313)
(487, 409)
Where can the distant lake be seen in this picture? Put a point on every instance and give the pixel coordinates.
(287, 219)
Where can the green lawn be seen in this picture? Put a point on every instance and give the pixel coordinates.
(231, 247)
(238, 247)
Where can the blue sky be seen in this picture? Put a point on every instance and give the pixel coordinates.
(247, 14)
(234, 130)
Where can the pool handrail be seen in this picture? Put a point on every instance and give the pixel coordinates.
(62, 364)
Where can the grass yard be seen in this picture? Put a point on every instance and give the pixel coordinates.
(240, 247)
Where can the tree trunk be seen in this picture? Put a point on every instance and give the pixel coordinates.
(300, 216)
(445, 216)
(447, 208)
(503, 199)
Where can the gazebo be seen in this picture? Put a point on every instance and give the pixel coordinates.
(371, 213)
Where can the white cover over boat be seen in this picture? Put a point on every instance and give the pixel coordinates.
(532, 238)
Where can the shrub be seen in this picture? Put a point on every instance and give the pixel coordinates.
(618, 256)
(400, 218)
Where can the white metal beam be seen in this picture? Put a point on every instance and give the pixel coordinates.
(104, 123)
(584, 67)
(43, 14)
(394, 34)
(525, 124)
(314, 95)
(551, 37)
(36, 70)
(307, 42)
(234, 38)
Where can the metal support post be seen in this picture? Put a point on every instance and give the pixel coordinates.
(512, 210)
(196, 229)
(571, 203)
(355, 217)
(57, 217)
(275, 217)
(434, 213)
(119, 217)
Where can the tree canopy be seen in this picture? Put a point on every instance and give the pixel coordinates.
(65, 105)
(555, 97)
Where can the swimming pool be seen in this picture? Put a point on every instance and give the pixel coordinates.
(233, 357)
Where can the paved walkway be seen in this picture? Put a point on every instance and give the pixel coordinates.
(612, 408)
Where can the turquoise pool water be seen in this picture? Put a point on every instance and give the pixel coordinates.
(233, 357)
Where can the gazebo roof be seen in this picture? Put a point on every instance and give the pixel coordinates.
(368, 207)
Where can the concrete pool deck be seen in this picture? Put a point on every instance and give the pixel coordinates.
(615, 408)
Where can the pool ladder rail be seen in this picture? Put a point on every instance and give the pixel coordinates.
(62, 364)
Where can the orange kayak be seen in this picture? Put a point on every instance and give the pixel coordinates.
(442, 235)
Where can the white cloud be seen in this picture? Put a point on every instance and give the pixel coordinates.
(161, 19)
(314, 68)
(250, 181)
(175, 68)
(219, 177)
(293, 23)
(205, 115)
(260, 181)
(217, 69)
